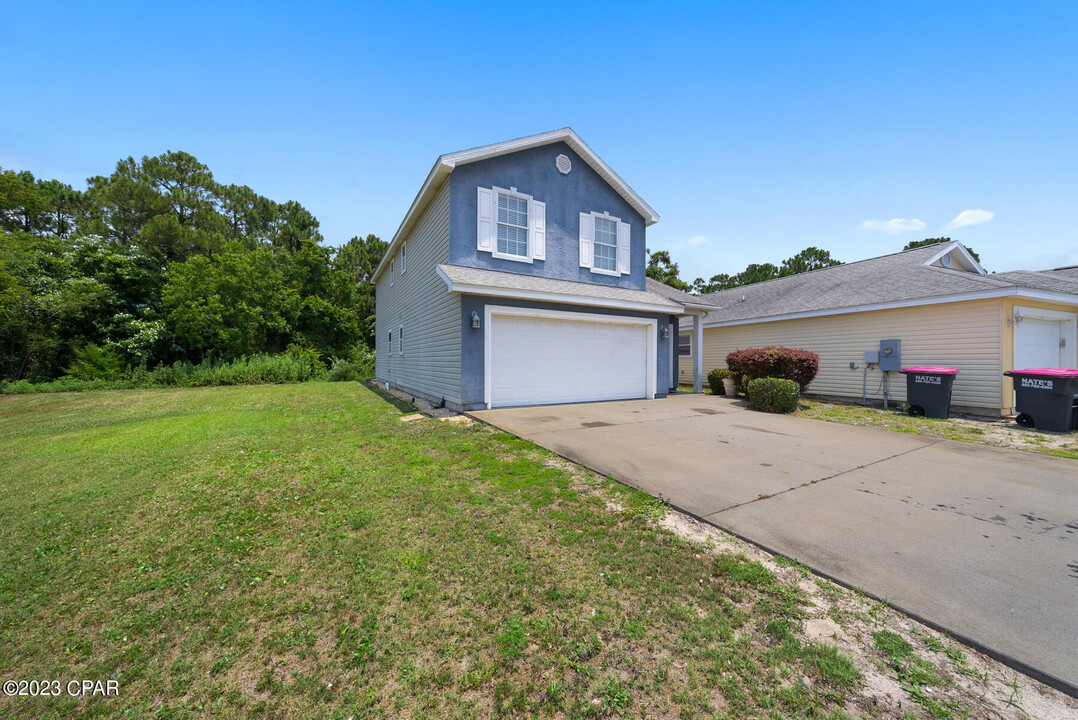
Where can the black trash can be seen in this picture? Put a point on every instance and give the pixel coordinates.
(928, 390)
(1046, 398)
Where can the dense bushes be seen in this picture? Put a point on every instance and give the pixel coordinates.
(800, 366)
(773, 395)
(715, 378)
(297, 364)
(159, 264)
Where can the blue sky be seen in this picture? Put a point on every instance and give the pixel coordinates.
(754, 129)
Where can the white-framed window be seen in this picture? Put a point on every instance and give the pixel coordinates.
(604, 244)
(400, 339)
(510, 225)
(390, 273)
(389, 346)
(684, 344)
(404, 256)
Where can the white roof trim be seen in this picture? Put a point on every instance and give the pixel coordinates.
(444, 165)
(1061, 298)
(546, 296)
(953, 245)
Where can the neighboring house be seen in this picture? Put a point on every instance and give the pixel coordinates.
(936, 300)
(517, 278)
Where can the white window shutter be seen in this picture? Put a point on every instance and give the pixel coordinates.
(537, 231)
(587, 233)
(485, 219)
(623, 248)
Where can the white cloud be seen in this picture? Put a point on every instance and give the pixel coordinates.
(968, 218)
(697, 240)
(892, 226)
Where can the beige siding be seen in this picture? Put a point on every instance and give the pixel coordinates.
(965, 335)
(420, 300)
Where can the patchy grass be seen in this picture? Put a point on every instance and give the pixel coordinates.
(997, 433)
(297, 551)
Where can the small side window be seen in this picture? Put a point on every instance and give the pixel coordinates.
(404, 256)
(400, 338)
(389, 347)
(684, 344)
(390, 273)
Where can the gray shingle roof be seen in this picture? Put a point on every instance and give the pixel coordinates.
(681, 298)
(461, 275)
(1050, 280)
(890, 278)
(1070, 272)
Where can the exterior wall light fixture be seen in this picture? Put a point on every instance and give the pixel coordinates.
(475, 319)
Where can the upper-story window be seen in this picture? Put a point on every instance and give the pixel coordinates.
(404, 256)
(390, 273)
(510, 225)
(604, 244)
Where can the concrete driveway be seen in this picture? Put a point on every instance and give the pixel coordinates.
(982, 542)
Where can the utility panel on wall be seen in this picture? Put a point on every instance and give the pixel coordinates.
(890, 355)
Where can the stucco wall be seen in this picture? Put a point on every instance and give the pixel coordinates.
(472, 342)
(421, 301)
(966, 335)
(532, 172)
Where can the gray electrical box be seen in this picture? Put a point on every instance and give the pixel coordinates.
(890, 355)
(872, 357)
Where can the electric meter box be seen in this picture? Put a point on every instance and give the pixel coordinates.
(890, 355)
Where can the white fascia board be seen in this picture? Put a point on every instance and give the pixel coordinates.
(954, 244)
(1061, 298)
(566, 299)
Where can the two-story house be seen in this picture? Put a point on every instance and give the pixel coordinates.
(518, 278)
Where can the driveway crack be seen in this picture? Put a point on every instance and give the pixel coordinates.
(820, 480)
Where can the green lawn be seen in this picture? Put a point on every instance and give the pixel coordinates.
(297, 551)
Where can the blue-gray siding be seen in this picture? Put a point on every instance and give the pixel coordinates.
(420, 300)
(533, 173)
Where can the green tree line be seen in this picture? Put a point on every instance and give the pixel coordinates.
(158, 263)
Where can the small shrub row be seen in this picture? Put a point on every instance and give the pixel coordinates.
(800, 366)
(774, 395)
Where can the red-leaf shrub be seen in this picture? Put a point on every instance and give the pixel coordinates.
(800, 366)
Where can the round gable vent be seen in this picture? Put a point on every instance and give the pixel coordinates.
(945, 261)
(564, 164)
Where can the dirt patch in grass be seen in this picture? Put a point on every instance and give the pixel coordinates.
(998, 432)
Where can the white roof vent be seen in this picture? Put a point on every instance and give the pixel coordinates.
(945, 261)
(564, 164)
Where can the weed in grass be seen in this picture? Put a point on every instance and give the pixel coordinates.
(932, 643)
(742, 570)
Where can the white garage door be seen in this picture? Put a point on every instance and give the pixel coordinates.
(540, 361)
(1038, 343)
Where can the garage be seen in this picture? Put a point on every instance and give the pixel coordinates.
(543, 357)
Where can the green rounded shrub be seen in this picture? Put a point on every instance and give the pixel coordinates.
(714, 380)
(774, 395)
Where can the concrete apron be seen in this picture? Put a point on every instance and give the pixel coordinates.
(980, 542)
